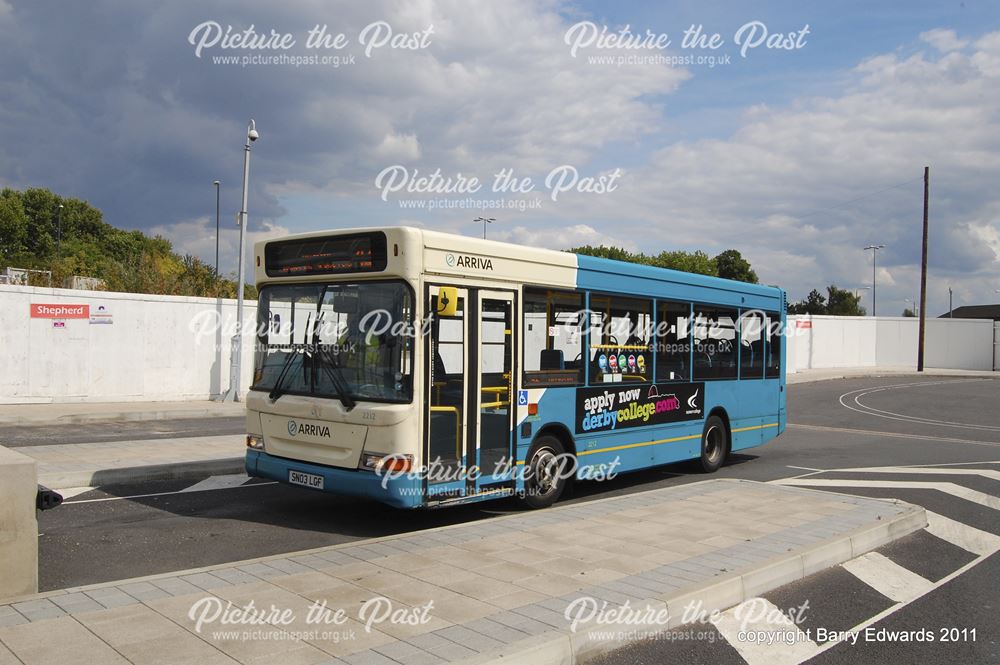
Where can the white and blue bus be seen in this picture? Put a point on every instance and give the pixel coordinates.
(425, 369)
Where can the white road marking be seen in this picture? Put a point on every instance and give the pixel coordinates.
(968, 538)
(896, 435)
(759, 619)
(974, 496)
(945, 470)
(889, 415)
(218, 483)
(893, 608)
(888, 577)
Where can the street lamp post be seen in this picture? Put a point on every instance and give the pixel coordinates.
(951, 308)
(874, 249)
(217, 229)
(236, 352)
(485, 221)
(916, 306)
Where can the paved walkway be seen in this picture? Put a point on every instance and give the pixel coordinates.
(509, 586)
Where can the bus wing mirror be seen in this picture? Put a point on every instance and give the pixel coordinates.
(447, 303)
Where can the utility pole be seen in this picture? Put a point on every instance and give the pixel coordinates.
(923, 272)
(951, 308)
(217, 229)
(874, 249)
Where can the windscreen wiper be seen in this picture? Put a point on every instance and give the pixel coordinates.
(276, 391)
(331, 367)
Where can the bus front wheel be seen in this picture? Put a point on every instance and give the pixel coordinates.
(714, 443)
(545, 472)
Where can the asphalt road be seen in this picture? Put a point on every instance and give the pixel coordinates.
(835, 425)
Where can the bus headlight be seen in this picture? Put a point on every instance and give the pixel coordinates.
(379, 463)
(255, 441)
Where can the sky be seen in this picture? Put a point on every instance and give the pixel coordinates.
(798, 136)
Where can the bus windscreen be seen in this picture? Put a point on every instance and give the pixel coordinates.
(330, 255)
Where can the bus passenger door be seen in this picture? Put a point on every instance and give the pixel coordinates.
(470, 375)
(446, 392)
(494, 382)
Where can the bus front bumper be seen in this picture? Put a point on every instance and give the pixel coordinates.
(400, 492)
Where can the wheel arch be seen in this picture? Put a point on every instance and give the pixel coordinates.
(724, 416)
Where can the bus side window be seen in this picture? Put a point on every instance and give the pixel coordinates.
(773, 335)
(673, 342)
(714, 342)
(553, 338)
(751, 345)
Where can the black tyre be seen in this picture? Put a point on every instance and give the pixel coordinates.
(714, 444)
(545, 472)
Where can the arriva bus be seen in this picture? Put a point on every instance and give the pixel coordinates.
(425, 369)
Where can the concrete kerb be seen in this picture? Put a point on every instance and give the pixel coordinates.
(140, 474)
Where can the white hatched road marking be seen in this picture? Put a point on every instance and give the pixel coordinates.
(974, 496)
(949, 470)
(888, 577)
(968, 538)
(789, 644)
(218, 483)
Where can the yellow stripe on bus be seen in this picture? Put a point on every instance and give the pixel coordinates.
(653, 443)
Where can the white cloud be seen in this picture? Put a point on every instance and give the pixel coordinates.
(944, 40)
(804, 180)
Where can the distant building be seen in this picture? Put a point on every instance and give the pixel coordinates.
(974, 312)
(25, 276)
(84, 283)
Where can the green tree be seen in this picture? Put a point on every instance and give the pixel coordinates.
(909, 313)
(815, 303)
(695, 262)
(126, 260)
(732, 265)
(841, 302)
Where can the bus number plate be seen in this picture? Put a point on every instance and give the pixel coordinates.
(309, 480)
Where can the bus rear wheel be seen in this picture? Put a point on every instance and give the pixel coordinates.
(545, 472)
(714, 444)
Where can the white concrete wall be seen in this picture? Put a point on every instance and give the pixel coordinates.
(151, 350)
(847, 341)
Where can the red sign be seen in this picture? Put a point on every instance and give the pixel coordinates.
(60, 311)
(803, 324)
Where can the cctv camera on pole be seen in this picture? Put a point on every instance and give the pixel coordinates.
(236, 349)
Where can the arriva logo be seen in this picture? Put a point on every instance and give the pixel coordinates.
(691, 400)
(463, 261)
(295, 428)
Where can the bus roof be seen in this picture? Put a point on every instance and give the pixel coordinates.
(560, 268)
